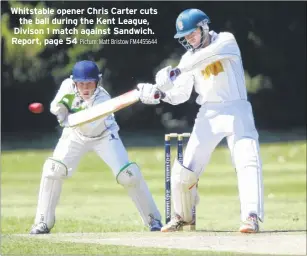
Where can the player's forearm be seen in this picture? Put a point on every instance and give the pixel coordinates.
(65, 91)
(58, 108)
(181, 91)
(175, 98)
(227, 49)
(54, 106)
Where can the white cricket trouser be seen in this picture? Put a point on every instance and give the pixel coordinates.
(71, 147)
(235, 121)
(69, 150)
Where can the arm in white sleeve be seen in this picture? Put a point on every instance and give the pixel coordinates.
(223, 47)
(66, 90)
(181, 90)
(57, 107)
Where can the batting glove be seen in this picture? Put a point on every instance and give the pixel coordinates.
(149, 93)
(165, 78)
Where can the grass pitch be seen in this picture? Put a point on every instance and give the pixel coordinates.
(92, 201)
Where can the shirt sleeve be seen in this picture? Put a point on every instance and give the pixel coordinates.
(224, 46)
(57, 107)
(181, 90)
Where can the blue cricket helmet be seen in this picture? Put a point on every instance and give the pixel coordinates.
(189, 20)
(85, 71)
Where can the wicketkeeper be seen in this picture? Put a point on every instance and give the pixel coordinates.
(84, 90)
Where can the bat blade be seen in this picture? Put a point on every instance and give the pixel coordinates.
(113, 105)
(103, 109)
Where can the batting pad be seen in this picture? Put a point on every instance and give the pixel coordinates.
(50, 191)
(132, 180)
(183, 182)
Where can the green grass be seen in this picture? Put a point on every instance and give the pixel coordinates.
(92, 201)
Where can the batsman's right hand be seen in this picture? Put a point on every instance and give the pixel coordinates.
(148, 93)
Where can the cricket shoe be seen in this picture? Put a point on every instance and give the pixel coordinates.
(250, 225)
(175, 224)
(40, 228)
(155, 225)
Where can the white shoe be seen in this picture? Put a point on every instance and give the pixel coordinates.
(40, 228)
(250, 225)
(175, 224)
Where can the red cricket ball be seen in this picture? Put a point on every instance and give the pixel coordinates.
(36, 107)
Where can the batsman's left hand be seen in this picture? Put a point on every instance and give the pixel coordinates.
(165, 78)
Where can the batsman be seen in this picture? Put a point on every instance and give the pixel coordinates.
(213, 66)
(77, 93)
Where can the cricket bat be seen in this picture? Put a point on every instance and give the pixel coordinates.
(110, 106)
(104, 109)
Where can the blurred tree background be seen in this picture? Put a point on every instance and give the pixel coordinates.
(271, 36)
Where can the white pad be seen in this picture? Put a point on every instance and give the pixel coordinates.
(246, 158)
(183, 191)
(132, 180)
(50, 189)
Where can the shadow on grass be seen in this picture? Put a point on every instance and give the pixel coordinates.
(151, 139)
